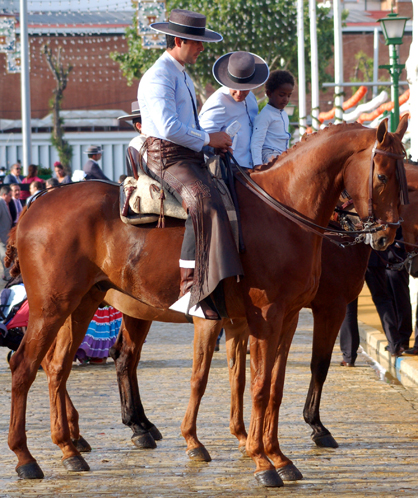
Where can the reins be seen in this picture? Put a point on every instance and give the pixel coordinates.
(302, 221)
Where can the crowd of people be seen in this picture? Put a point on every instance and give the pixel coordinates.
(16, 191)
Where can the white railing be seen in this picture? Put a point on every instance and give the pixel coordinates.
(113, 143)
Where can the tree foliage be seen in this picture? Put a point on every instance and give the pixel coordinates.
(264, 27)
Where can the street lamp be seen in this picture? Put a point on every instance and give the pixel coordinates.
(393, 27)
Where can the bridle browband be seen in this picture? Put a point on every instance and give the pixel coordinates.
(325, 232)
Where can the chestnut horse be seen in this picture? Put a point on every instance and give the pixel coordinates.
(281, 264)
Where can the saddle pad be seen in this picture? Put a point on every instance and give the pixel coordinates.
(145, 202)
(143, 197)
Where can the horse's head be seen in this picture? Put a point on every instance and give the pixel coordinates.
(375, 179)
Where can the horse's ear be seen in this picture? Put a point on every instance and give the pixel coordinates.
(382, 130)
(402, 126)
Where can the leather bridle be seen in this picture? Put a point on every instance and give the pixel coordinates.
(403, 186)
(368, 227)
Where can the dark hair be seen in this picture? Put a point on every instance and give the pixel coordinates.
(32, 170)
(5, 189)
(122, 178)
(57, 164)
(169, 39)
(278, 78)
(137, 120)
(52, 182)
(37, 185)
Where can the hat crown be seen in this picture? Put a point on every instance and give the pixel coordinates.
(187, 18)
(135, 107)
(241, 65)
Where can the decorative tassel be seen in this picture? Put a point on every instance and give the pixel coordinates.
(161, 220)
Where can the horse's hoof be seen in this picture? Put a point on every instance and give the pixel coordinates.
(155, 433)
(30, 471)
(144, 441)
(81, 445)
(200, 453)
(290, 473)
(269, 479)
(326, 441)
(76, 464)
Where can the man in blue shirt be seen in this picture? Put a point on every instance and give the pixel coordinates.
(168, 107)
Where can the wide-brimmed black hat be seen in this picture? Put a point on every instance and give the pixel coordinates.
(187, 24)
(93, 149)
(241, 71)
(135, 112)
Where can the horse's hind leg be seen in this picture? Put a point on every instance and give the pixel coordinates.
(24, 365)
(68, 340)
(327, 323)
(127, 352)
(236, 349)
(205, 335)
(72, 415)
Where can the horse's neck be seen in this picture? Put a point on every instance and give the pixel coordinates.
(309, 179)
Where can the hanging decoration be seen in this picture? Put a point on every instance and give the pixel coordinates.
(13, 63)
(7, 34)
(148, 13)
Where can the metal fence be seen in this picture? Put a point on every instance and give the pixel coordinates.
(114, 145)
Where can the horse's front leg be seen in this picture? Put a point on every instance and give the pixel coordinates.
(205, 335)
(236, 334)
(327, 323)
(127, 352)
(264, 337)
(283, 465)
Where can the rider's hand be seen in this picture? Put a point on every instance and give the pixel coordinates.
(220, 140)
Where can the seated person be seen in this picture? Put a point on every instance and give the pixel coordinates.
(34, 188)
(271, 136)
(135, 116)
(62, 177)
(239, 73)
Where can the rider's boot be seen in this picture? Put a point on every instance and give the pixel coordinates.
(202, 309)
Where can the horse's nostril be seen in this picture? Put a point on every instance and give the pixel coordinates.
(382, 241)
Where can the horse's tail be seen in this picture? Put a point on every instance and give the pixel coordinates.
(11, 257)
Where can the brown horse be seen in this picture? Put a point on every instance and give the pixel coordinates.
(282, 267)
(341, 282)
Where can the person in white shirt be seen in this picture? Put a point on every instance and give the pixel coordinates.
(135, 116)
(239, 73)
(271, 127)
(174, 143)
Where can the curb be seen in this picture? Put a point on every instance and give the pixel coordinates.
(404, 368)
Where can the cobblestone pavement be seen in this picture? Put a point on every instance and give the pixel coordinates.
(374, 422)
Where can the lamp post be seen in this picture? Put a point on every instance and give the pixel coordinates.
(393, 27)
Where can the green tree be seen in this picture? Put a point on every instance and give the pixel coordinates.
(65, 151)
(264, 27)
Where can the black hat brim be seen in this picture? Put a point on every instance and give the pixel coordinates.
(221, 74)
(164, 27)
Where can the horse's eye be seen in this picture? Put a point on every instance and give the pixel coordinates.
(383, 179)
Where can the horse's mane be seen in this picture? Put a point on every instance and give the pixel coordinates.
(329, 130)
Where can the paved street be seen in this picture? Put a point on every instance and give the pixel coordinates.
(374, 422)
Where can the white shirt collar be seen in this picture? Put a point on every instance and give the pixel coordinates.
(179, 66)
